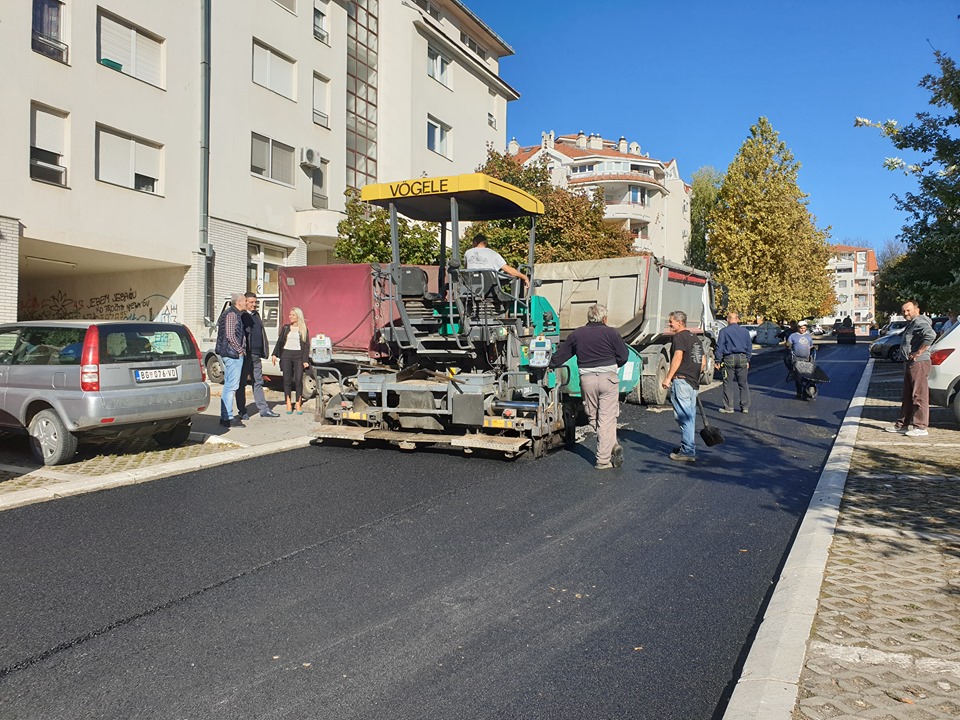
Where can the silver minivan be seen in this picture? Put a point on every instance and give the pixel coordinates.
(66, 380)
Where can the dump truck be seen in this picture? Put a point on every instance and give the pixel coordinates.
(640, 292)
(454, 356)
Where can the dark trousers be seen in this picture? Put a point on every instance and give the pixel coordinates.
(735, 372)
(915, 399)
(291, 365)
(252, 374)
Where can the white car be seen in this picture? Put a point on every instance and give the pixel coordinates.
(944, 377)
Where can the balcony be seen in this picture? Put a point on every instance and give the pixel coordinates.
(51, 47)
(633, 177)
(318, 224)
(627, 211)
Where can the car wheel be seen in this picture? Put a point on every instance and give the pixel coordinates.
(50, 441)
(177, 435)
(215, 370)
(896, 354)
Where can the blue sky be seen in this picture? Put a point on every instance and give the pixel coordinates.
(687, 79)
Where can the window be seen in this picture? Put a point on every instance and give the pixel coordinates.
(363, 24)
(493, 105)
(638, 195)
(47, 145)
(438, 137)
(271, 159)
(290, 5)
(128, 161)
(472, 44)
(428, 7)
(321, 101)
(437, 66)
(47, 346)
(48, 29)
(320, 186)
(263, 265)
(131, 51)
(272, 70)
(320, 21)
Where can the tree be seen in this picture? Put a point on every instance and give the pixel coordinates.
(364, 236)
(928, 272)
(571, 228)
(706, 190)
(764, 243)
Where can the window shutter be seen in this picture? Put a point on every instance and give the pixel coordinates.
(261, 65)
(114, 159)
(320, 95)
(281, 75)
(116, 43)
(282, 168)
(259, 155)
(46, 131)
(147, 160)
(148, 60)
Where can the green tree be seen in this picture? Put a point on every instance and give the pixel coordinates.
(364, 236)
(764, 243)
(706, 184)
(929, 270)
(571, 228)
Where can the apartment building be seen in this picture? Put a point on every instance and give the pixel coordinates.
(644, 196)
(854, 271)
(163, 155)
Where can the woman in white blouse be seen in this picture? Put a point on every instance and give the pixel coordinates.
(293, 351)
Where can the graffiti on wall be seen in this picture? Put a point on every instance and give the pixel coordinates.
(124, 305)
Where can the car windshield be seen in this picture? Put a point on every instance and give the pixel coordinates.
(140, 342)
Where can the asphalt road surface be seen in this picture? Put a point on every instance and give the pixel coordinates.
(347, 583)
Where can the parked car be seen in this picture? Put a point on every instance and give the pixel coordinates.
(817, 329)
(944, 379)
(894, 327)
(67, 380)
(887, 348)
(752, 329)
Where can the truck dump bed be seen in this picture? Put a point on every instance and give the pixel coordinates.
(639, 292)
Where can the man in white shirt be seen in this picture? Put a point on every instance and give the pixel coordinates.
(481, 257)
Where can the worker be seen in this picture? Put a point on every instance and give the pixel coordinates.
(482, 257)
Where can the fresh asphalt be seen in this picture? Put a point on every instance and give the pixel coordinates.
(334, 582)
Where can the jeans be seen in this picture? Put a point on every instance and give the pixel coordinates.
(683, 397)
(232, 367)
(601, 400)
(735, 372)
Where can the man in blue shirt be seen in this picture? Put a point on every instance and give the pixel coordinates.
(734, 349)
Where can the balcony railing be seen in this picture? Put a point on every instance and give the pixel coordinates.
(48, 172)
(492, 120)
(50, 46)
(321, 118)
(320, 201)
(322, 35)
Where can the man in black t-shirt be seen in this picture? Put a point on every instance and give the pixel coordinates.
(683, 378)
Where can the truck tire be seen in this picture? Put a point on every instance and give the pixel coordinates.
(214, 370)
(175, 436)
(309, 386)
(50, 441)
(651, 386)
(707, 377)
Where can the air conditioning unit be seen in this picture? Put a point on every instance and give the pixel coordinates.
(309, 157)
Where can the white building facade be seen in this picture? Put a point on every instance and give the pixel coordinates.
(854, 272)
(163, 155)
(644, 196)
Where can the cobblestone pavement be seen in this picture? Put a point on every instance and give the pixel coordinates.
(885, 644)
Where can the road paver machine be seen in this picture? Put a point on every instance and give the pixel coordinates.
(472, 359)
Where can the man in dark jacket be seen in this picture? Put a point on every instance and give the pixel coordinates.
(231, 349)
(257, 349)
(734, 349)
(915, 342)
(600, 351)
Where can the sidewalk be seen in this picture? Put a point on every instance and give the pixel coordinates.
(880, 637)
(23, 481)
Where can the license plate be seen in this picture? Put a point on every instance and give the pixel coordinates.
(169, 373)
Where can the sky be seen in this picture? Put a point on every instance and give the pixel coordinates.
(686, 79)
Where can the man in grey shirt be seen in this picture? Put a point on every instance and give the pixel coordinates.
(915, 344)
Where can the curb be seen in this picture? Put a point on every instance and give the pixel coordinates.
(770, 680)
(81, 485)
